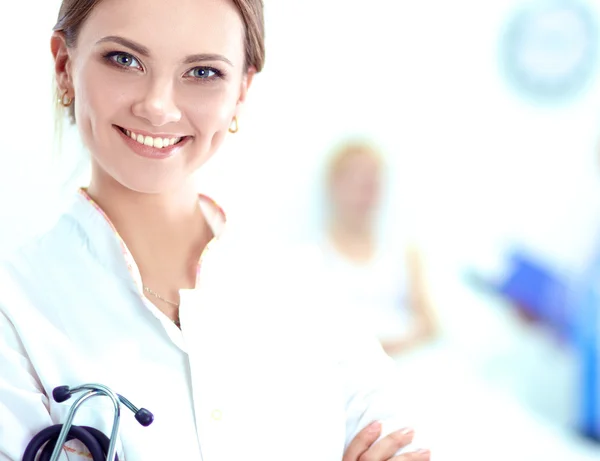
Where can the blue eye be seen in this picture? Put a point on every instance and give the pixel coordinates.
(123, 59)
(204, 73)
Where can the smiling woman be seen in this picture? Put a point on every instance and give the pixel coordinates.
(139, 288)
(126, 72)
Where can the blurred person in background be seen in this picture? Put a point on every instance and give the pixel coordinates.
(381, 279)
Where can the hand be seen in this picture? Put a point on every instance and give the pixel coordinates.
(363, 448)
(397, 347)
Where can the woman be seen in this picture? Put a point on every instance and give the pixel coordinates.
(115, 293)
(381, 280)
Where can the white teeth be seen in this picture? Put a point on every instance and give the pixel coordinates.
(157, 143)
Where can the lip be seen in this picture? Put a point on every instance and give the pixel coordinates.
(152, 135)
(150, 151)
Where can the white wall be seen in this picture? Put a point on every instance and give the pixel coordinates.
(474, 165)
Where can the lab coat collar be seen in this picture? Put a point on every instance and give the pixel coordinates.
(107, 246)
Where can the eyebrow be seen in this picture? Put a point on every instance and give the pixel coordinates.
(144, 51)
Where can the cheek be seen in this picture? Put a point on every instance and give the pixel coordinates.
(341, 194)
(352, 192)
(98, 96)
(209, 110)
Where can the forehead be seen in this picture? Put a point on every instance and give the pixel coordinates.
(178, 27)
(359, 161)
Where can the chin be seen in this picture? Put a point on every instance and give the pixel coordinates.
(149, 182)
(158, 187)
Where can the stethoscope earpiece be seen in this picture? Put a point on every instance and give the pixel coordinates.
(61, 394)
(144, 417)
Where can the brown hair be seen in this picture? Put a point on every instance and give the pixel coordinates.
(73, 14)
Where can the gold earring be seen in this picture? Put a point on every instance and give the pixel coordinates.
(233, 128)
(65, 102)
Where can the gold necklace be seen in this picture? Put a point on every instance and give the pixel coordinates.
(172, 303)
(156, 295)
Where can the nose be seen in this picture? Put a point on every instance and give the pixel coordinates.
(157, 105)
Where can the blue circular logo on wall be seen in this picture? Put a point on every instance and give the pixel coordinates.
(549, 50)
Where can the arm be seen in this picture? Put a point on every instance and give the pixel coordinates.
(420, 306)
(370, 382)
(23, 403)
(374, 393)
(373, 388)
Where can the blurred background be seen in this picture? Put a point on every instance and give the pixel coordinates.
(485, 116)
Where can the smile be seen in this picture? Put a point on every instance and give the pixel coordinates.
(158, 147)
(156, 142)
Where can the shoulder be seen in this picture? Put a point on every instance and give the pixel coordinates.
(34, 265)
(47, 248)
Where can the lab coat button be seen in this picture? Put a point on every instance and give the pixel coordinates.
(217, 415)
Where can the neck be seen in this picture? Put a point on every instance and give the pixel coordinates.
(353, 238)
(166, 233)
(130, 209)
(352, 227)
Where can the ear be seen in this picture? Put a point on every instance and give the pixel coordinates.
(62, 62)
(245, 85)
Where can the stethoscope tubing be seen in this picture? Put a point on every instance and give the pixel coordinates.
(51, 440)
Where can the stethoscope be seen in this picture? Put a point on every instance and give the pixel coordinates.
(100, 447)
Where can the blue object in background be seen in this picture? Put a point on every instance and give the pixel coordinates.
(586, 338)
(571, 309)
(539, 292)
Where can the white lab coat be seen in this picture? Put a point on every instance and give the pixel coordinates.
(259, 369)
